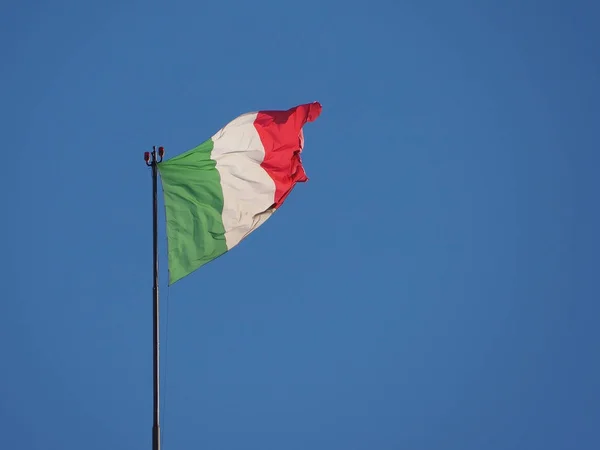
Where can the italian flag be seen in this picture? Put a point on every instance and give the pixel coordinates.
(219, 192)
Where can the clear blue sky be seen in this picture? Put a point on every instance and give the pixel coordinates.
(433, 286)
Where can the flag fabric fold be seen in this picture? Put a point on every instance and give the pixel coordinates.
(219, 192)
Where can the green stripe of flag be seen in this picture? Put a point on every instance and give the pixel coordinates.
(194, 205)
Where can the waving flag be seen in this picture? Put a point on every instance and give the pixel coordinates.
(219, 192)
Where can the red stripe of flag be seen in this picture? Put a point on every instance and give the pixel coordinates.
(283, 141)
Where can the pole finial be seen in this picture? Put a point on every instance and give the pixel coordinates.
(151, 157)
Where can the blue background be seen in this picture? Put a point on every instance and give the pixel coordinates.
(433, 286)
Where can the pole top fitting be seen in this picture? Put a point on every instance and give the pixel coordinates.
(152, 158)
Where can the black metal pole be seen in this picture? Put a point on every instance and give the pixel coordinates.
(152, 161)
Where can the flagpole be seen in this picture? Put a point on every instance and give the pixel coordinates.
(152, 161)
